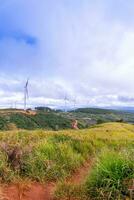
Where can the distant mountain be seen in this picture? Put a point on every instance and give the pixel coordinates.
(95, 110)
(119, 108)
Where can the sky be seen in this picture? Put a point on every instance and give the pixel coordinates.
(82, 50)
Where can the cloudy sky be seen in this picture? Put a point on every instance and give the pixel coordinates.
(81, 49)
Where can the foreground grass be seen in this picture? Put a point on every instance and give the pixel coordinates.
(50, 156)
(41, 155)
(111, 177)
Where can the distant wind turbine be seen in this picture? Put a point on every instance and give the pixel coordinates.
(66, 100)
(15, 104)
(88, 103)
(26, 94)
(74, 102)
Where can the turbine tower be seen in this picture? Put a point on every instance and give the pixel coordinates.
(65, 101)
(74, 103)
(26, 94)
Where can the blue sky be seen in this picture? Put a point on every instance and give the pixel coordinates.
(79, 49)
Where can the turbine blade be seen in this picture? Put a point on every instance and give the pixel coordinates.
(27, 82)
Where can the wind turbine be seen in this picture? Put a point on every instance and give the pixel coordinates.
(88, 103)
(26, 94)
(66, 100)
(74, 103)
(15, 104)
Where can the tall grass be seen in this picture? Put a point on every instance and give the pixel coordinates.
(54, 160)
(50, 156)
(111, 175)
(44, 156)
(6, 174)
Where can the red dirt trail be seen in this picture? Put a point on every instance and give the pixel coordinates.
(36, 191)
(79, 176)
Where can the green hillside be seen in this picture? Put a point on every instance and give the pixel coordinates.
(41, 120)
(46, 118)
(103, 115)
(53, 157)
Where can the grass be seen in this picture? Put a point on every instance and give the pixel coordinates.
(111, 175)
(42, 155)
(52, 156)
(51, 161)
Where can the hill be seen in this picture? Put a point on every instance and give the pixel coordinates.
(56, 159)
(13, 119)
(49, 119)
(95, 110)
(102, 115)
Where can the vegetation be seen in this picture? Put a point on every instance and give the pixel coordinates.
(41, 155)
(46, 118)
(95, 110)
(91, 116)
(45, 109)
(3, 124)
(113, 168)
(52, 156)
(112, 175)
(41, 120)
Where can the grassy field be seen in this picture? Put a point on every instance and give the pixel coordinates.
(55, 155)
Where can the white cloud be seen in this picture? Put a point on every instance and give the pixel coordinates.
(83, 50)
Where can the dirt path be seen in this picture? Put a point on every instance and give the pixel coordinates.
(80, 175)
(36, 191)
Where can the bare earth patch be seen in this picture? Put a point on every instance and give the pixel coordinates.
(34, 191)
(80, 175)
(37, 191)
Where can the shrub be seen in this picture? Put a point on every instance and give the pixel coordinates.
(3, 124)
(23, 121)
